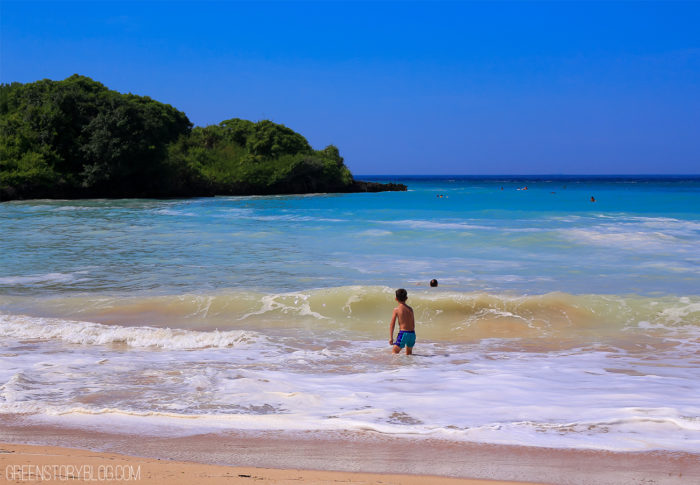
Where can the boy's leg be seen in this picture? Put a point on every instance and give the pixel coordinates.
(396, 349)
(409, 350)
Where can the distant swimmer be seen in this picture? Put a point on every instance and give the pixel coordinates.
(592, 199)
(433, 283)
(523, 188)
(407, 325)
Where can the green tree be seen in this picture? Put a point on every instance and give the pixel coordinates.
(93, 140)
(77, 138)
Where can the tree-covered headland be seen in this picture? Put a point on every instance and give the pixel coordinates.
(76, 138)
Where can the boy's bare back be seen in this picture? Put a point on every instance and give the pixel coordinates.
(404, 313)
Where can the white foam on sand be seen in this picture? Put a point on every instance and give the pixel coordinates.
(598, 398)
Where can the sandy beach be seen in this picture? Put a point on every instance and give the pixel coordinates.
(319, 458)
(47, 464)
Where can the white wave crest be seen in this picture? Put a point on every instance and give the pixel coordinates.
(88, 333)
(625, 239)
(375, 232)
(43, 279)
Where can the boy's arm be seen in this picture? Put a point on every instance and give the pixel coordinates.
(391, 327)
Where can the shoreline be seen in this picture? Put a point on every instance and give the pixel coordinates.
(10, 194)
(387, 459)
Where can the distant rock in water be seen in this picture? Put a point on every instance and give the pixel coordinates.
(78, 139)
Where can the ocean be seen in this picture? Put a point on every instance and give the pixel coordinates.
(558, 321)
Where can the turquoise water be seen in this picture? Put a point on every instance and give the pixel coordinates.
(557, 322)
(640, 236)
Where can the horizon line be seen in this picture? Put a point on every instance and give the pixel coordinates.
(530, 175)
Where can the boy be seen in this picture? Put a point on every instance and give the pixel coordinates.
(407, 325)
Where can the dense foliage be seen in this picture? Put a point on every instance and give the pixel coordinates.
(239, 156)
(76, 138)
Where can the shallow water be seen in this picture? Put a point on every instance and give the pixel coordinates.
(558, 321)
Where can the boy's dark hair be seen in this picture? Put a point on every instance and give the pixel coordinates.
(433, 283)
(401, 295)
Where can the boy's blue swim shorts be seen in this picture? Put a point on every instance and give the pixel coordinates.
(405, 339)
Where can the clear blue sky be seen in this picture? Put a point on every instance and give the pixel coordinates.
(400, 88)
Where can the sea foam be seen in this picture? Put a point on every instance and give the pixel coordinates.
(88, 333)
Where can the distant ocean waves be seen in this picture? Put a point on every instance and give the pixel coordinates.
(641, 236)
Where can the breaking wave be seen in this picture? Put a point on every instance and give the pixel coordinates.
(192, 320)
(88, 333)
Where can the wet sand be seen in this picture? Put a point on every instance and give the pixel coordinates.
(331, 457)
